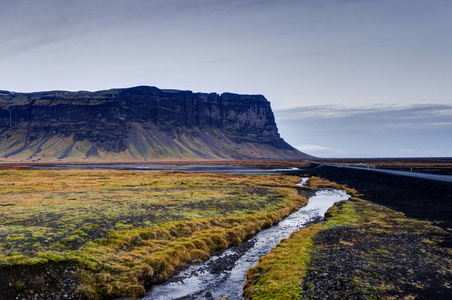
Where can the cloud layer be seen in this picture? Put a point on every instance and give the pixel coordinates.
(311, 55)
(417, 130)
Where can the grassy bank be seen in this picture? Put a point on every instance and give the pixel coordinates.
(119, 231)
(361, 250)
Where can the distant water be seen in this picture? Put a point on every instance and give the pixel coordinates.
(195, 168)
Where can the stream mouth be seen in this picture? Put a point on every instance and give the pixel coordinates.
(225, 274)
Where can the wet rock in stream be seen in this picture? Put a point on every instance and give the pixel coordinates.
(227, 262)
(218, 265)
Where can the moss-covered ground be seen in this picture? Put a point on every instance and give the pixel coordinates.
(361, 251)
(123, 230)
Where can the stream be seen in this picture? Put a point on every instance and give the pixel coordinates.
(224, 274)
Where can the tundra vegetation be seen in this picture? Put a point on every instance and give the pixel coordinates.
(120, 231)
(360, 251)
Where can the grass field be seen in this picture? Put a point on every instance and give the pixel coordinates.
(123, 230)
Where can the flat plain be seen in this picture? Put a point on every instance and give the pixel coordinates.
(105, 234)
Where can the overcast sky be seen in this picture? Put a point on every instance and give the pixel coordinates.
(345, 77)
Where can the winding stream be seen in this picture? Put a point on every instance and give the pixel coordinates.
(224, 275)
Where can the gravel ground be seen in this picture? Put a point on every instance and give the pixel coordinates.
(367, 262)
(359, 263)
(417, 198)
(44, 282)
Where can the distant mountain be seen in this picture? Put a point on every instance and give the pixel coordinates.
(138, 124)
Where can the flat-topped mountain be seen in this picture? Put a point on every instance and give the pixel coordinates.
(138, 124)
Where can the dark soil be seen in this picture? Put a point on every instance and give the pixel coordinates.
(44, 281)
(354, 262)
(365, 263)
(435, 165)
(417, 198)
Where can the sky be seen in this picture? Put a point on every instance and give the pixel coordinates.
(345, 78)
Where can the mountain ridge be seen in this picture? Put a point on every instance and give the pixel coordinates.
(141, 123)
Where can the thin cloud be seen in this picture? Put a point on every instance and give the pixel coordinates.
(369, 119)
(439, 124)
(401, 112)
(383, 131)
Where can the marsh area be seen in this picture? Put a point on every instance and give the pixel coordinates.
(99, 233)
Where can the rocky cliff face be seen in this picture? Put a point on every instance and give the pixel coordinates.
(138, 124)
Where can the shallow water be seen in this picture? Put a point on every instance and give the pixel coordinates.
(195, 282)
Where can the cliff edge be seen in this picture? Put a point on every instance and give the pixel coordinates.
(138, 124)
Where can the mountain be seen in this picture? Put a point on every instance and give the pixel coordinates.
(138, 124)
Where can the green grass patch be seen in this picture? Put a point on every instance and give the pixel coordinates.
(125, 229)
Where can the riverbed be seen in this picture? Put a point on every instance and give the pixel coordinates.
(224, 274)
